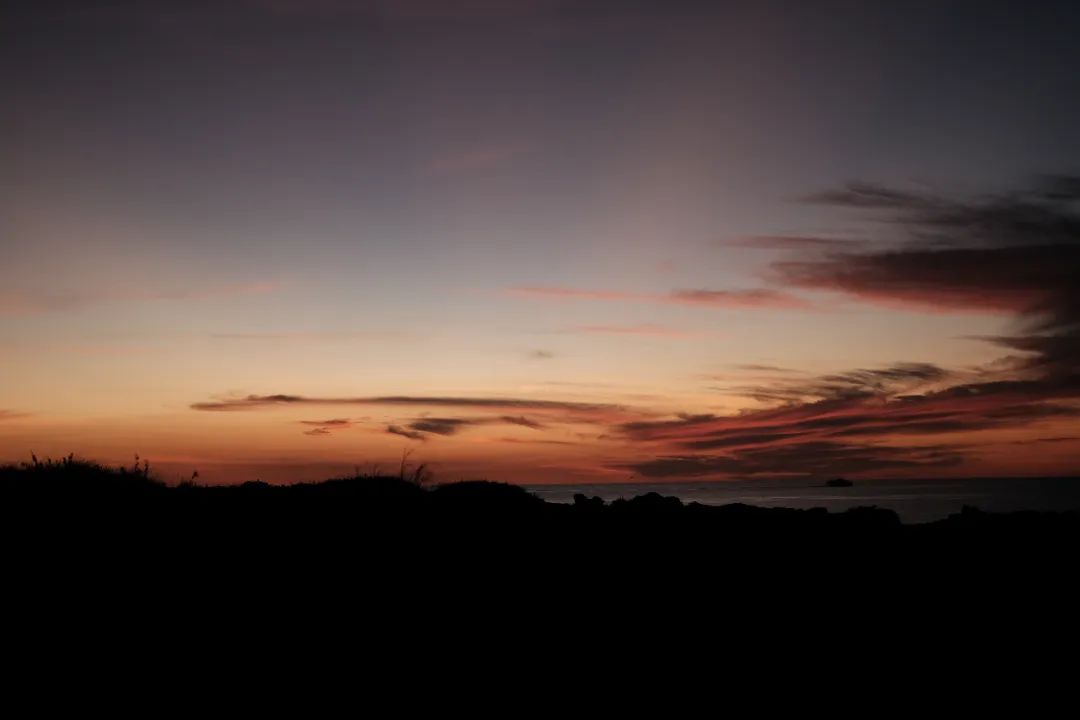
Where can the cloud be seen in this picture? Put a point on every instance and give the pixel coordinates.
(862, 420)
(411, 434)
(827, 409)
(327, 427)
(531, 441)
(541, 414)
(1040, 441)
(441, 426)
(255, 402)
(1016, 253)
(451, 426)
(873, 196)
(853, 383)
(807, 458)
(752, 367)
(1018, 279)
(738, 299)
(541, 355)
(523, 422)
(11, 415)
(793, 242)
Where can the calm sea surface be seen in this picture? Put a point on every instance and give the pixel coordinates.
(914, 500)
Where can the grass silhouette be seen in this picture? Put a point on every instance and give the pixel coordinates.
(408, 548)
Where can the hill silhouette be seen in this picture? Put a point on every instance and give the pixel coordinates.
(389, 562)
(71, 498)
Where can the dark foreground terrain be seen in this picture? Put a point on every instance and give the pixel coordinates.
(89, 550)
(74, 507)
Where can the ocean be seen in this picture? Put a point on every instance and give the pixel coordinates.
(915, 501)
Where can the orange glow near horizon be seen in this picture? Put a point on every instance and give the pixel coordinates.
(541, 241)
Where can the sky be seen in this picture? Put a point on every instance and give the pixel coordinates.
(542, 240)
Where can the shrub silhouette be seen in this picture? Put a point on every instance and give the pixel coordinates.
(80, 508)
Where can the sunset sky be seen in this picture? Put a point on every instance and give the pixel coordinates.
(542, 240)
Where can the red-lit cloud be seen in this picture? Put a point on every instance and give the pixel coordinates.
(861, 421)
(1016, 254)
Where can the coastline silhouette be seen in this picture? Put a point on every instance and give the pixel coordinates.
(69, 499)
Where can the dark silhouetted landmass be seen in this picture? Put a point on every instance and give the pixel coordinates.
(384, 559)
(74, 501)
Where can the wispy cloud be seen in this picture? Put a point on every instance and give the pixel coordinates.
(411, 434)
(327, 427)
(802, 458)
(1049, 440)
(857, 421)
(252, 402)
(873, 196)
(503, 409)
(738, 299)
(11, 415)
(981, 280)
(752, 367)
(522, 421)
(793, 242)
(441, 426)
(425, 427)
(853, 383)
(1014, 253)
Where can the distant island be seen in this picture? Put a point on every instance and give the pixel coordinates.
(839, 482)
